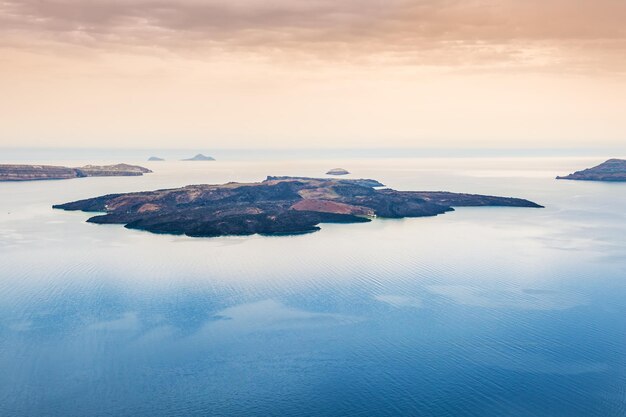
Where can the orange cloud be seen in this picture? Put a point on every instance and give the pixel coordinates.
(529, 33)
(303, 72)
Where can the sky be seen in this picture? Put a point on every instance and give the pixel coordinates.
(313, 73)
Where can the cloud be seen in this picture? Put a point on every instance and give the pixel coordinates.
(414, 72)
(408, 32)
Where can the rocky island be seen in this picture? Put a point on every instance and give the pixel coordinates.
(337, 171)
(613, 170)
(155, 159)
(200, 157)
(278, 205)
(50, 172)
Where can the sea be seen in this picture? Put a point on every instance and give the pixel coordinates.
(478, 312)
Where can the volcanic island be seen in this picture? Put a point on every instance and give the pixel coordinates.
(275, 206)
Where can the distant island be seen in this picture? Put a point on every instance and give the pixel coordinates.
(278, 205)
(200, 157)
(337, 171)
(50, 172)
(613, 170)
(155, 158)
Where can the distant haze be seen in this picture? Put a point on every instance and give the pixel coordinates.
(312, 73)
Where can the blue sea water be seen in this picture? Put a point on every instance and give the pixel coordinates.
(478, 312)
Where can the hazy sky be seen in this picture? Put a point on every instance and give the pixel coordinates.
(312, 73)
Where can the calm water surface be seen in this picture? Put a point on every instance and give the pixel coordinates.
(479, 312)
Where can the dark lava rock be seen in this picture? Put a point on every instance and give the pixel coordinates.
(278, 205)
